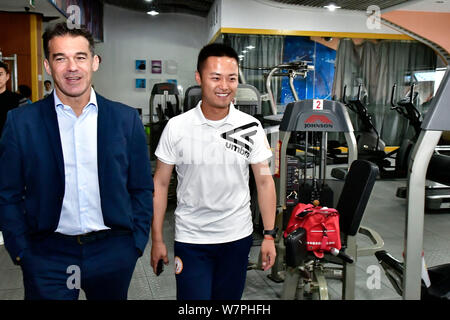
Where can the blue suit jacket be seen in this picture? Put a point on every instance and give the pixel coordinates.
(32, 173)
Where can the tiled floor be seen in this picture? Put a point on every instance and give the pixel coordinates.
(385, 214)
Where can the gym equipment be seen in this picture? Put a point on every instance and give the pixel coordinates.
(289, 69)
(370, 145)
(306, 274)
(292, 70)
(168, 104)
(191, 97)
(248, 99)
(439, 277)
(437, 195)
(406, 108)
(307, 191)
(164, 104)
(434, 123)
(301, 116)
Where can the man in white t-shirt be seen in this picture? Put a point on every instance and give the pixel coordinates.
(47, 88)
(211, 148)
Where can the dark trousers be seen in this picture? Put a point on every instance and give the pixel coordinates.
(58, 266)
(211, 271)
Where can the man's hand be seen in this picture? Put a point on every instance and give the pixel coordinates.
(268, 253)
(158, 252)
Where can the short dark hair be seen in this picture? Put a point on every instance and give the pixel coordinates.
(215, 50)
(47, 81)
(25, 90)
(4, 66)
(61, 29)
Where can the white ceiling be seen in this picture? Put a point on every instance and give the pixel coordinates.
(423, 5)
(49, 11)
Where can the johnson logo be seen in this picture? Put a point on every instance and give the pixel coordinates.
(318, 121)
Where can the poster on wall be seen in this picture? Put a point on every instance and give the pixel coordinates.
(318, 84)
(171, 67)
(156, 66)
(140, 84)
(140, 65)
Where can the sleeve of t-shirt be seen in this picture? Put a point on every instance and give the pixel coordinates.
(165, 151)
(261, 149)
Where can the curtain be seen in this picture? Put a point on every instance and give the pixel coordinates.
(378, 66)
(267, 53)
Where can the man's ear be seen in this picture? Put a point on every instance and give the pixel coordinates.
(198, 78)
(95, 63)
(47, 67)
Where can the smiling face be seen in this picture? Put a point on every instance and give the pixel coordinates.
(219, 81)
(71, 65)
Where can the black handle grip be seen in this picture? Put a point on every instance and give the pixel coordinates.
(392, 96)
(341, 254)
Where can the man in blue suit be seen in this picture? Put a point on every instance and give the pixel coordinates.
(75, 181)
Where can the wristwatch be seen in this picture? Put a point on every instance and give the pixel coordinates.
(272, 233)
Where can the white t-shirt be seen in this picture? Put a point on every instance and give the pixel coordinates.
(212, 164)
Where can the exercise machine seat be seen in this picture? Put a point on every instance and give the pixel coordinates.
(440, 283)
(191, 98)
(438, 169)
(355, 195)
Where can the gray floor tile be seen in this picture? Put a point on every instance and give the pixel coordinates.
(11, 279)
(11, 294)
(139, 289)
(163, 287)
(256, 287)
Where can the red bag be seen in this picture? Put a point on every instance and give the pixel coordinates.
(321, 225)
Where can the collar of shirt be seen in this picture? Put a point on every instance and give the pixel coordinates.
(200, 117)
(92, 102)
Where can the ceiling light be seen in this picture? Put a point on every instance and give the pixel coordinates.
(241, 56)
(148, 0)
(250, 47)
(153, 13)
(244, 51)
(332, 7)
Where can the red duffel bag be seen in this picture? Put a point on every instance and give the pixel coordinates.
(321, 225)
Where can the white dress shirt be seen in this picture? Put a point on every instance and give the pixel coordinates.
(81, 209)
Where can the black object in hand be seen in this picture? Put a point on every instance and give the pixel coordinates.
(160, 267)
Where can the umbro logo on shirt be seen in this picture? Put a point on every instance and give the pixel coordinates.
(238, 139)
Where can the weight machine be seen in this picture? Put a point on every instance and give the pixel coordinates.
(306, 274)
(163, 104)
(300, 116)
